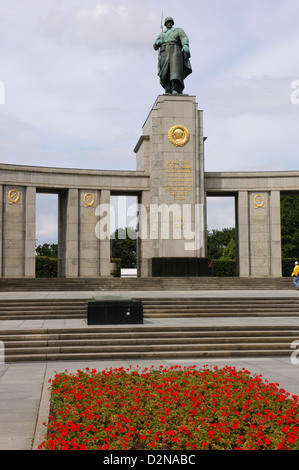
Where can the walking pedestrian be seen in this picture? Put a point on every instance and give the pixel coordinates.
(295, 275)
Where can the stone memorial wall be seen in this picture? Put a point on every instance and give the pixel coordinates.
(171, 187)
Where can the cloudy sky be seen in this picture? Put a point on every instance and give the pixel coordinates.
(79, 77)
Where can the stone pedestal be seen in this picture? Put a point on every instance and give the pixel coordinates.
(171, 151)
(114, 310)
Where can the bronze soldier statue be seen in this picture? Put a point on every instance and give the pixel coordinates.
(174, 54)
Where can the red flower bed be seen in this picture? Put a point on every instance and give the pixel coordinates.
(170, 409)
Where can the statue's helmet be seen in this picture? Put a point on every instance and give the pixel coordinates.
(168, 19)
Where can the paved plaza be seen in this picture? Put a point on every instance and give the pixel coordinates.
(24, 387)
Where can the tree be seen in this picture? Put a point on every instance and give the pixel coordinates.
(124, 246)
(218, 242)
(50, 250)
(229, 251)
(46, 260)
(289, 209)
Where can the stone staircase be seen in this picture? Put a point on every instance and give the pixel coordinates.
(42, 309)
(158, 307)
(146, 284)
(150, 341)
(207, 307)
(131, 343)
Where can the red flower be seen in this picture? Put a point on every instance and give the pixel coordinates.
(167, 403)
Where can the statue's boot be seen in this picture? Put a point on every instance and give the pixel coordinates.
(176, 87)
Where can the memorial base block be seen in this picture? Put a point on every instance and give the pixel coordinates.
(179, 267)
(114, 310)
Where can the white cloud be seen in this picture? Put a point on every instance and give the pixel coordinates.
(46, 218)
(238, 96)
(102, 27)
(273, 59)
(254, 143)
(80, 79)
(220, 213)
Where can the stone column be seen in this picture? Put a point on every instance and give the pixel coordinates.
(242, 220)
(145, 243)
(103, 232)
(1, 229)
(275, 234)
(68, 234)
(18, 231)
(260, 243)
(259, 238)
(30, 232)
(89, 247)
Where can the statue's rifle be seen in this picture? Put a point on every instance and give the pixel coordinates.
(162, 22)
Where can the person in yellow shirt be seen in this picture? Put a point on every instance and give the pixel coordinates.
(295, 275)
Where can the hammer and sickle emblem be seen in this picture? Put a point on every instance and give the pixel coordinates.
(13, 196)
(259, 200)
(89, 200)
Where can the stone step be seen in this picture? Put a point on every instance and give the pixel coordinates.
(43, 308)
(43, 316)
(221, 308)
(115, 332)
(29, 309)
(196, 333)
(30, 345)
(26, 309)
(217, 300)
(175, 346)
(170, 283)
(151, 355)
(24, 304)
(145, 342)
(222, 315)
(162, 300)
(149, 341)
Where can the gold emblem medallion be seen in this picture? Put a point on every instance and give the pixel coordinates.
(13, 196)
(259, 200)
(178, 135)
(89, 200)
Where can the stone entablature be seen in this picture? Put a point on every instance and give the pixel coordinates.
(61, 178)
(117, 180)
(223, 182)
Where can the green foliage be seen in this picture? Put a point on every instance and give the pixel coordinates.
(229, 252)
(288, 266)
(45, 267)
(219, 243)
(117, 261)
(289, 209)
(50, 250)
(124, 246)
(224, 268)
